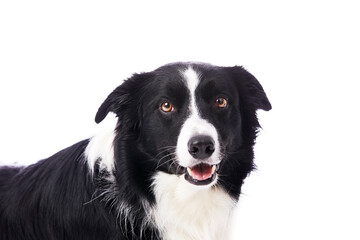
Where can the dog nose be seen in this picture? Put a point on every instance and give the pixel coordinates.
(201, 147)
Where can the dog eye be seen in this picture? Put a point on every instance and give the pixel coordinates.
(167, 107)
(221, 102)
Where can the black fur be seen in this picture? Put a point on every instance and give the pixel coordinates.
(60, 198)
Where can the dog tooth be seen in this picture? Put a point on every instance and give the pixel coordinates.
(189, 171)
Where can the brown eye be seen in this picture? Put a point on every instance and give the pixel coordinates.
(221, 102)
(167, 107)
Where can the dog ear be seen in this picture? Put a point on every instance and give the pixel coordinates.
(112, 103)
(251, 89)
(124, 97)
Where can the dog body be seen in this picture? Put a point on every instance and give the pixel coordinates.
(171, 168)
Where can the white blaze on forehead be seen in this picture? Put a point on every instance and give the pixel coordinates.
(192, 81)
(194, 125)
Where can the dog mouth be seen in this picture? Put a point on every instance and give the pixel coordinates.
(201, 174)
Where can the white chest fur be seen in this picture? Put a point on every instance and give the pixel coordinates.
(187, 212)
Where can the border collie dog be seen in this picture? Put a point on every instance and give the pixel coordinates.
(172, 166)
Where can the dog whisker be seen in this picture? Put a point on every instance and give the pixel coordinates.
(167, 161)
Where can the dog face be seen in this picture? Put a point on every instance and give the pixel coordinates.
(190, 119)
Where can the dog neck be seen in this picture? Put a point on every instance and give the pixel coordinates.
(185, 211)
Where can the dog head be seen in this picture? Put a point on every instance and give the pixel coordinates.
(190, 119)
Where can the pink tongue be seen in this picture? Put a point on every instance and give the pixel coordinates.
(201, 172)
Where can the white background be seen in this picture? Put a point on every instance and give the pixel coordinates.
(60, 59)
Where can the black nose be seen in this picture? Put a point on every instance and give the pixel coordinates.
(201, 147)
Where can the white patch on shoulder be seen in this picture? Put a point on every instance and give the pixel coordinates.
(101, 146)
(183, 211)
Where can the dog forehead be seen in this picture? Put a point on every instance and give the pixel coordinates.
(203, 80)
(176, 78)
(191, 76)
